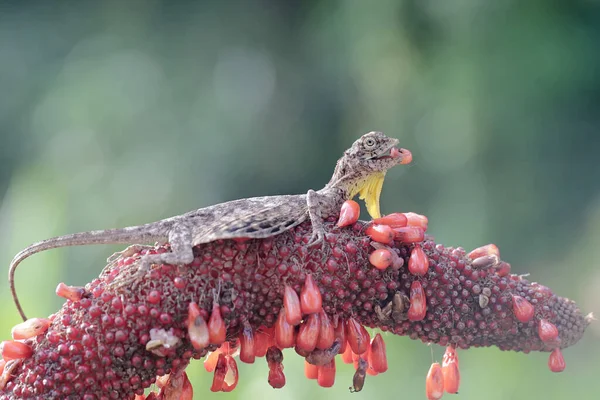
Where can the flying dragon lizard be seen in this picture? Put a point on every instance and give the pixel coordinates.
(360, 171)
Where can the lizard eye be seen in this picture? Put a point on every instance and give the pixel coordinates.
(370, 143)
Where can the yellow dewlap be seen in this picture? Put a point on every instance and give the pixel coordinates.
(370, 192)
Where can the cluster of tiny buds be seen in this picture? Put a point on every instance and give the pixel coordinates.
(411, 228)
(304, 325)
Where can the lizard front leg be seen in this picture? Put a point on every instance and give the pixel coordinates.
(180, 240)
(314, 213)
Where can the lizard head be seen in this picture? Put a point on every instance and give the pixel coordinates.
(362, 168)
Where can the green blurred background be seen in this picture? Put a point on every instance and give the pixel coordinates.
(117, 113)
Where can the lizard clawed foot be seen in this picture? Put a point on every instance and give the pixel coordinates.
(128, 252)
(143, 268)
(317, 237)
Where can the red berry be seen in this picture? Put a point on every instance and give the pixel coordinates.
(216, 326)
(523, 309)
(308, 333)
(30, 328)
(274, 360)
(197, 327)
(340, 334)
(284, 332)
(503, 269)
(418, 263)
(406, 156)
(410, 234)
(418, 302)
(262, 341)
(357, 336)
(12, 350)
(395, 220)
(547, 331)
(310, 296)
(347, 355)
(326, 332)
(434, 383)
(417, 220)
(487, 250)
(326, 374)
(381, 258)
(276, 378)
(247, 345)
(153, 297)
(310, 371)
(291, 302)
(377, 355)
(556, 361)
(450, 370)
(349, 213)
(73, 293)
(380, 233)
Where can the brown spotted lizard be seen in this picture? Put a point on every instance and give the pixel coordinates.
(361, 170)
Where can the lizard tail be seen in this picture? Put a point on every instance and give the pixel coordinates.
(109, 236)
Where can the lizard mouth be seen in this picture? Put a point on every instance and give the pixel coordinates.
(403, 155)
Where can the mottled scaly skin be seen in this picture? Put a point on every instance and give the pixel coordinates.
(95, 349)
(360, 170)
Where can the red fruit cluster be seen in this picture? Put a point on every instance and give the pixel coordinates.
(259, 296)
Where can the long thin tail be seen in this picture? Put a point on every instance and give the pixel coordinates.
(110, 236)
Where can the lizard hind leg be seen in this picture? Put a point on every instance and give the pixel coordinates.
(180, 239)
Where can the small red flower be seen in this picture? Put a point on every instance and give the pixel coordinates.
(522, 308)
(349, 213)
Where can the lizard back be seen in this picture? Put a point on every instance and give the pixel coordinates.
(257, 217)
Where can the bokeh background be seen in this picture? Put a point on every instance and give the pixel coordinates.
(117, 113)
